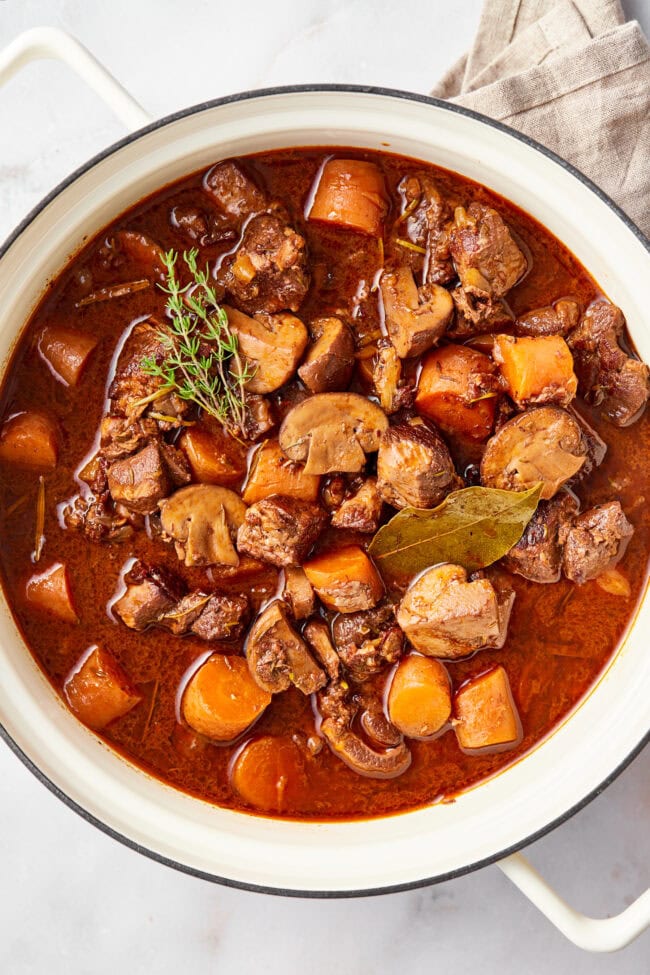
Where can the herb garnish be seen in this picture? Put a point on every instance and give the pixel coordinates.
(202, 362)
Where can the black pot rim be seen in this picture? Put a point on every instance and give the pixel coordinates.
(115, 147)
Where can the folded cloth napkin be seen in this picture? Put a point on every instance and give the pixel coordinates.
(573, 75)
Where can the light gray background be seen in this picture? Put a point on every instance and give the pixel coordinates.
(71, 899)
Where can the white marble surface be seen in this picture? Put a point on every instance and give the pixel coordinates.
(71, 899)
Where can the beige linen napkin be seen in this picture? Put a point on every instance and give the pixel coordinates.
(573, 75)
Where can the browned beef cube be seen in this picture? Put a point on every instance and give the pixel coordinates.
(280, 530)
(556, 319)
(414, 466)
(131, 383)
(361, 511)
(596, 542)
(269, 270)
(150, 592)
(141, 481)
(488, 261)
(607, 376)
(222, 618)
(233, 190)
(538, 554)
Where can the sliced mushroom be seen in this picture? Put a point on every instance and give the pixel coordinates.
(338, 711)
(332, 432)
(270, 347)
(202, 521)
(278, 657)
(445, 615)
(298, 592)
(317, 635)
(544, 445)
(415, 317)
(329, 361)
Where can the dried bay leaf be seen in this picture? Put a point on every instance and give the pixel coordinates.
(472, 527)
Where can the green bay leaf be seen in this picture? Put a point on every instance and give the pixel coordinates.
(472, 527)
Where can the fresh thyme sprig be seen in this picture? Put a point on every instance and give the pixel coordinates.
(202, 362)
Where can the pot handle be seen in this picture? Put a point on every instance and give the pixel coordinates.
(589, 933)
(50, 42)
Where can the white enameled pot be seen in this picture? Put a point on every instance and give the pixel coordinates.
(489, 822)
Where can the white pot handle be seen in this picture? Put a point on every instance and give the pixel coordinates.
(592, 934)
(50, 42)
(586, 932)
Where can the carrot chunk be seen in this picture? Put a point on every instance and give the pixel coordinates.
(419, 700)
(536, 370)
(50, 591)
(455, 390)
(273, 473)
(29, 440)
(221, 699)
(214, 456)
(345, 579)
(268, 774)
(351, 194)
(66, 351)
(100, 691)
(485, 713)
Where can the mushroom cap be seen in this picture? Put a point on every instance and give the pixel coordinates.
(270, 345)
(332, 432)
(544, 444)
(278, 657)
(202, 520)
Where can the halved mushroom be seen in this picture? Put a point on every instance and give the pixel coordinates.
(329, 361)
(278, 657)
(415, 317)
(202, 521)
(298, 592)
(270, 346)
(544, 445)
(332, 432)
(445, 615)
(338, 710)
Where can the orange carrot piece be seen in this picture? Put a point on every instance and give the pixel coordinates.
(273, 473)
(444, 393)
(419, 700)
(29, 440)
(51, 592)
(221, 699)
(351, 194)
(214, 456)
(536, 369)
(66, 351)
(268, 773)
(485, 713)
(100, 691)
(345, 579)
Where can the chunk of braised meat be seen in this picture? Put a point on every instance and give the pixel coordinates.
(414, 466)
(278, 657)
(477, 317)
(223, 617)
(139, 482)
(280, 530)
(539, 552)
(269, 269)
(317, 635)
(149, 593)
(596, 541)
(233, 190)
(393, 392)
(427, 225)
(556, 319)
(360, 511)
(338, 711)
(329, 362)
(445, 614)
(367, 642)
(98, 520)
(130, 383)
(121, 436)
(607, 376)
(487, 259)
(198, 226)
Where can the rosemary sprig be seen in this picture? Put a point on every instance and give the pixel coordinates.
(202, 362)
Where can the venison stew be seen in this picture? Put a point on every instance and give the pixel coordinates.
(322, 483)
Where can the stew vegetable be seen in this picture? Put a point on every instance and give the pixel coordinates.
(323, 482)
